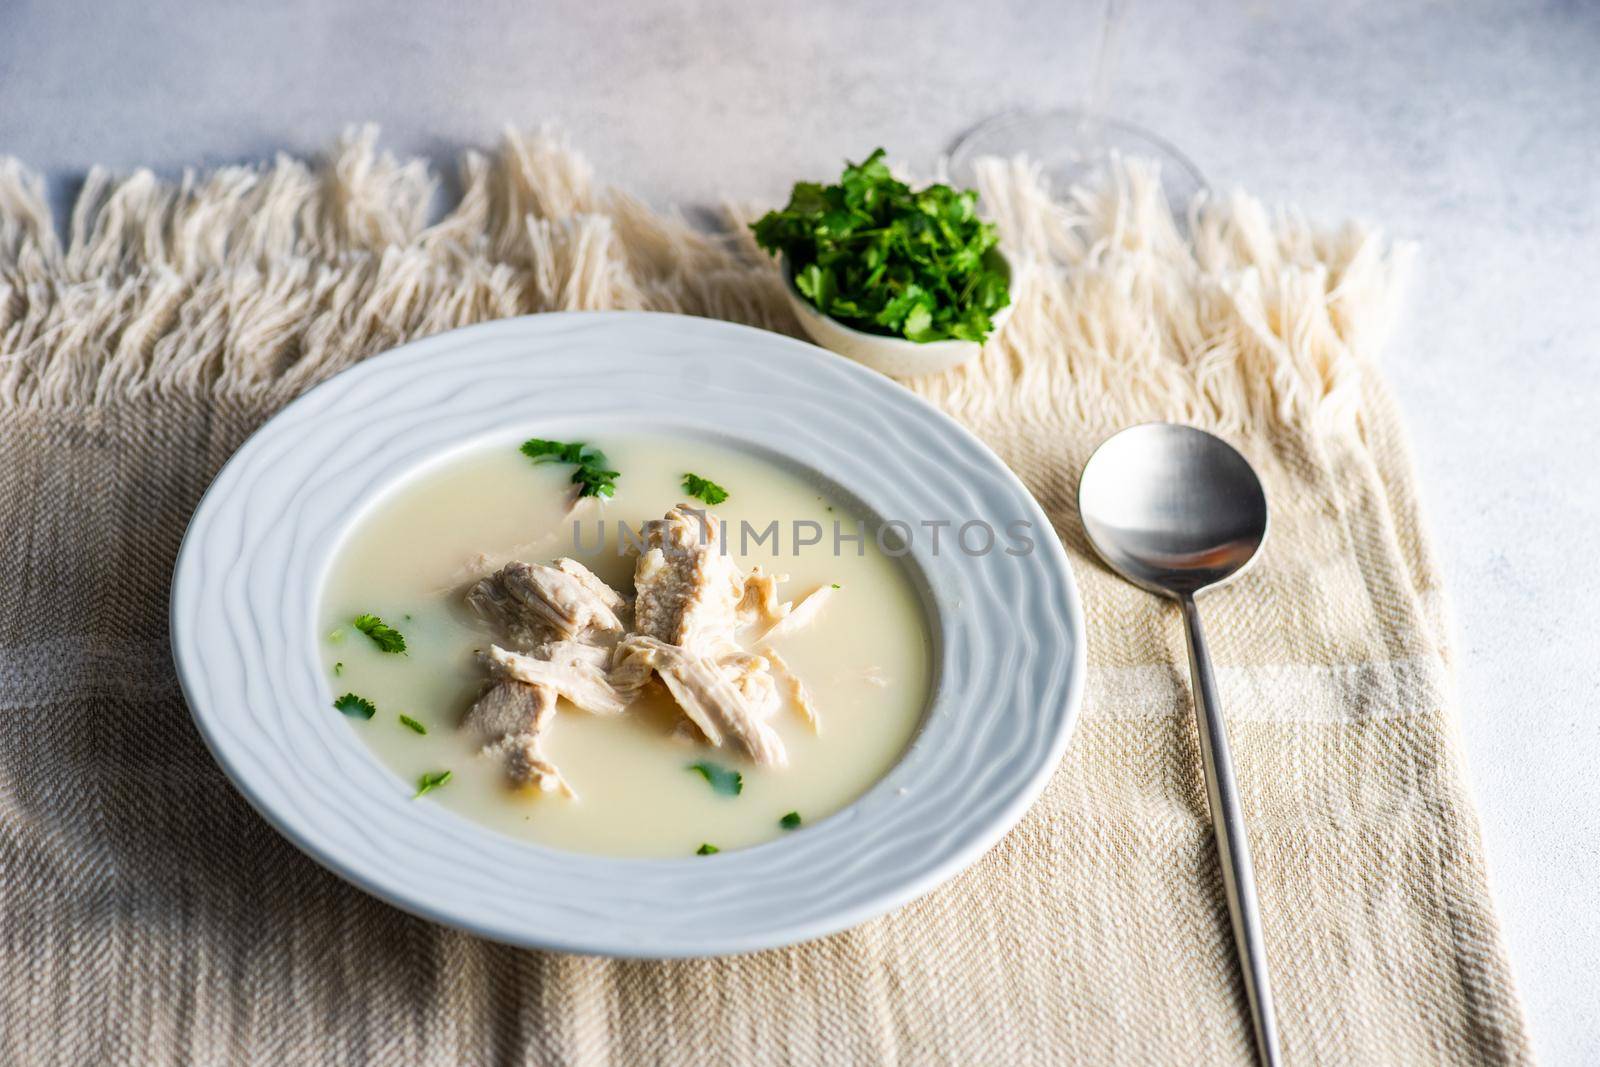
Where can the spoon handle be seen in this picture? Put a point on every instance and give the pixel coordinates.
(1233, 844)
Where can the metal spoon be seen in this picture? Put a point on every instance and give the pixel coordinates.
(1176, 510)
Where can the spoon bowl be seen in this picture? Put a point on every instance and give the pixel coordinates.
(1171, 508)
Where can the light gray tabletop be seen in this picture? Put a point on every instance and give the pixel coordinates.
(1473, 128)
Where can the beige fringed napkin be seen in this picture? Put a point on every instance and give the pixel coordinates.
(148, 915)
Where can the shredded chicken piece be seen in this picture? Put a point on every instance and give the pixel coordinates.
(533, 603)
(797, 689)
(565, 622)
(591, 581)
(689, 597)
(752, 676)
(686, 589)
(508, 718)
(759, 602)
(712, 700)
(804, 613)
(510, 707)
(569, 638)
(579, 680)
(575, 652)
(760, 691)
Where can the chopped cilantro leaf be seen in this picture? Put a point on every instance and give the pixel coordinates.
(728, 783)
(431, 781)
(356, 707)
(877, 255)
(707, 850)
(412, 724)
(594, 480)
(559, 451)
(592, 476)
(338, 668)
(704, 488)
(790, 821)
(836, 585)
(387, 638)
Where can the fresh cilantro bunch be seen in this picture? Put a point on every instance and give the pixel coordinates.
(879, 256)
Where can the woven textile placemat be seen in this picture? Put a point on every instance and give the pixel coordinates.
(148, 915)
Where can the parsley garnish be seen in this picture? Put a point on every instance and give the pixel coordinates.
(338, 668)
(387, 638)
(429, 782)
(592, 478)
(707, 850)
(790, 821)
(704, 488)
(412, 724)
(836, 585)
(728, 783)
(880, 256)
(356, 707)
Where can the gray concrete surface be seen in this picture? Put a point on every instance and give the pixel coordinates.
(1473, 128)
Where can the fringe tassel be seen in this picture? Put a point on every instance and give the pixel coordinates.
(265, 280)
(1247, 322)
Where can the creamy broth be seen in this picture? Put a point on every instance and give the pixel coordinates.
(865, 660)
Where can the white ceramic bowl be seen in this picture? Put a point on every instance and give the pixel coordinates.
(894, 356)
(1007, 630)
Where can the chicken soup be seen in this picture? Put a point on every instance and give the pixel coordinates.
(641, 646)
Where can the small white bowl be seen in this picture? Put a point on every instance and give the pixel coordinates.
(894, 356)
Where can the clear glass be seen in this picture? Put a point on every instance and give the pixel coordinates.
(1075, 145)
